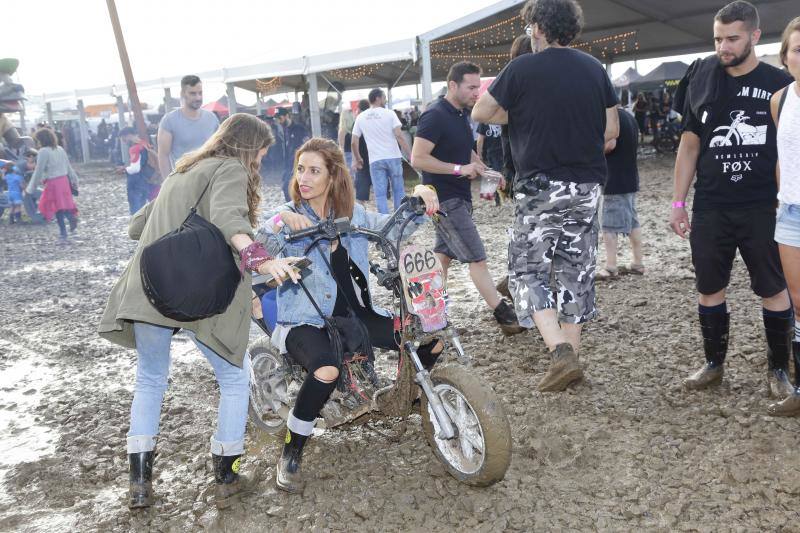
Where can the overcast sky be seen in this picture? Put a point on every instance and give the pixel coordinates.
(64, 45)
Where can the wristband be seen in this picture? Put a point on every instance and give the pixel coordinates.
(457, 170)
(253, 256)
(678, 205)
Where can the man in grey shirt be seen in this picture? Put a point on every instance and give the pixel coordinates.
(184, 129)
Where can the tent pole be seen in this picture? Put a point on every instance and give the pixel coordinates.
(259, 111)
(400, 77)
(167, 100)
(84, 130)
(313, 105)
(425, 53)
(231, 99)
(22, 123)
(121, 112)
(49, 107)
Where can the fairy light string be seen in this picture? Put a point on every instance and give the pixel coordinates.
(480, 45)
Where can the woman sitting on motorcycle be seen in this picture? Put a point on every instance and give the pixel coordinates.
(321, 187)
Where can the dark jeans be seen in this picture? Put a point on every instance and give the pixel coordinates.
(61, 217)
(138, 191)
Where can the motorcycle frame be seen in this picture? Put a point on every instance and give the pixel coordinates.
(400, 393)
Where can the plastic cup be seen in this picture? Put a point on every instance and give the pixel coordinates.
(489, 183)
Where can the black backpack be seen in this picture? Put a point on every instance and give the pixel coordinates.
(189, 274)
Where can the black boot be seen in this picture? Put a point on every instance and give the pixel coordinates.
(228, 482)
(140, 493)
(790, 406)
(715, 328)
(779, 332)
(287, 472)
(507, 318)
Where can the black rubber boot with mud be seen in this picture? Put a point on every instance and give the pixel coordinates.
(228, 484)
(288, 476)
(715, 328)
(140, 493)
(790, 406)
(779, 332)
(564, 369)
(507, 318)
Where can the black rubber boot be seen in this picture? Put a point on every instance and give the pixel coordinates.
(228, 482)
(140, 493)
(287, 472)
(790, 406)
(715, 328)
(507, 318)
(779, 332)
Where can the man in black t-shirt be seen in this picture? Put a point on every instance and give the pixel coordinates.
(729, 142)
(619, 197)
(560, 108)
(490, 147)
(443, 152)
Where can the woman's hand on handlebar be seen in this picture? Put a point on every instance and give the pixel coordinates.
(429, 196)
(281, 269)
(296, 221)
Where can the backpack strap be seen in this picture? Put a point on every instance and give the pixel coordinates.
(783, 98)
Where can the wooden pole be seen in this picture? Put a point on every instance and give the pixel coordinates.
(133, 96)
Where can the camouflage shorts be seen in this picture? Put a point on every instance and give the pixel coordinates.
(554, 237)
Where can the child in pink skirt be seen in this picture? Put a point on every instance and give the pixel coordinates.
(54, 172)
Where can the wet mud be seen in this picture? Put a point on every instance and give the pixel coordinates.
(626, 449)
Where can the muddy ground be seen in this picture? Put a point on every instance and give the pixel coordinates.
(627, 449)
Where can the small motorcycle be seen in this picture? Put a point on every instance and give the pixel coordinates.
(462, 418)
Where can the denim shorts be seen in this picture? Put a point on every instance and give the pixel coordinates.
(619, 213)
(787, 226)
(456, 234)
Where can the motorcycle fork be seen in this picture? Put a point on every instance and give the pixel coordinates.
(423, 379)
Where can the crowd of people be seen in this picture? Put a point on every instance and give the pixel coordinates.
(552, 122)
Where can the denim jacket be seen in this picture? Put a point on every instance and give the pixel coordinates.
(294, 307)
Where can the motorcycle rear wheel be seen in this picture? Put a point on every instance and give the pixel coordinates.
(480, 453)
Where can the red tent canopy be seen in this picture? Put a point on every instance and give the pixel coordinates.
(216, 107)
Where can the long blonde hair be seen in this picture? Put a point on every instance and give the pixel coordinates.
(341, 194)
(240, 136)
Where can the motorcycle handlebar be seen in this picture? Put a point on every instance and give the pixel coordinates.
(327, 229)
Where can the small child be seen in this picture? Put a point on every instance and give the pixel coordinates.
(14, 183)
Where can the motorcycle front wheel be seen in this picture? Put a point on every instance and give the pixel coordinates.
(269, 381)
(480, 452)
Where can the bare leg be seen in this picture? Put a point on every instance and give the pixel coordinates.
(636, 246)
(479, 272)
(779, 302)
(790, 259)
(610, 244)
(711, 300)
(573, 334)
(546, 322)
(445, 261)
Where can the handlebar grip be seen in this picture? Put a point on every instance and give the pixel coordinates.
(303, 233)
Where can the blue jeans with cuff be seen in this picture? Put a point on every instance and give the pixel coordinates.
(153, 347)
